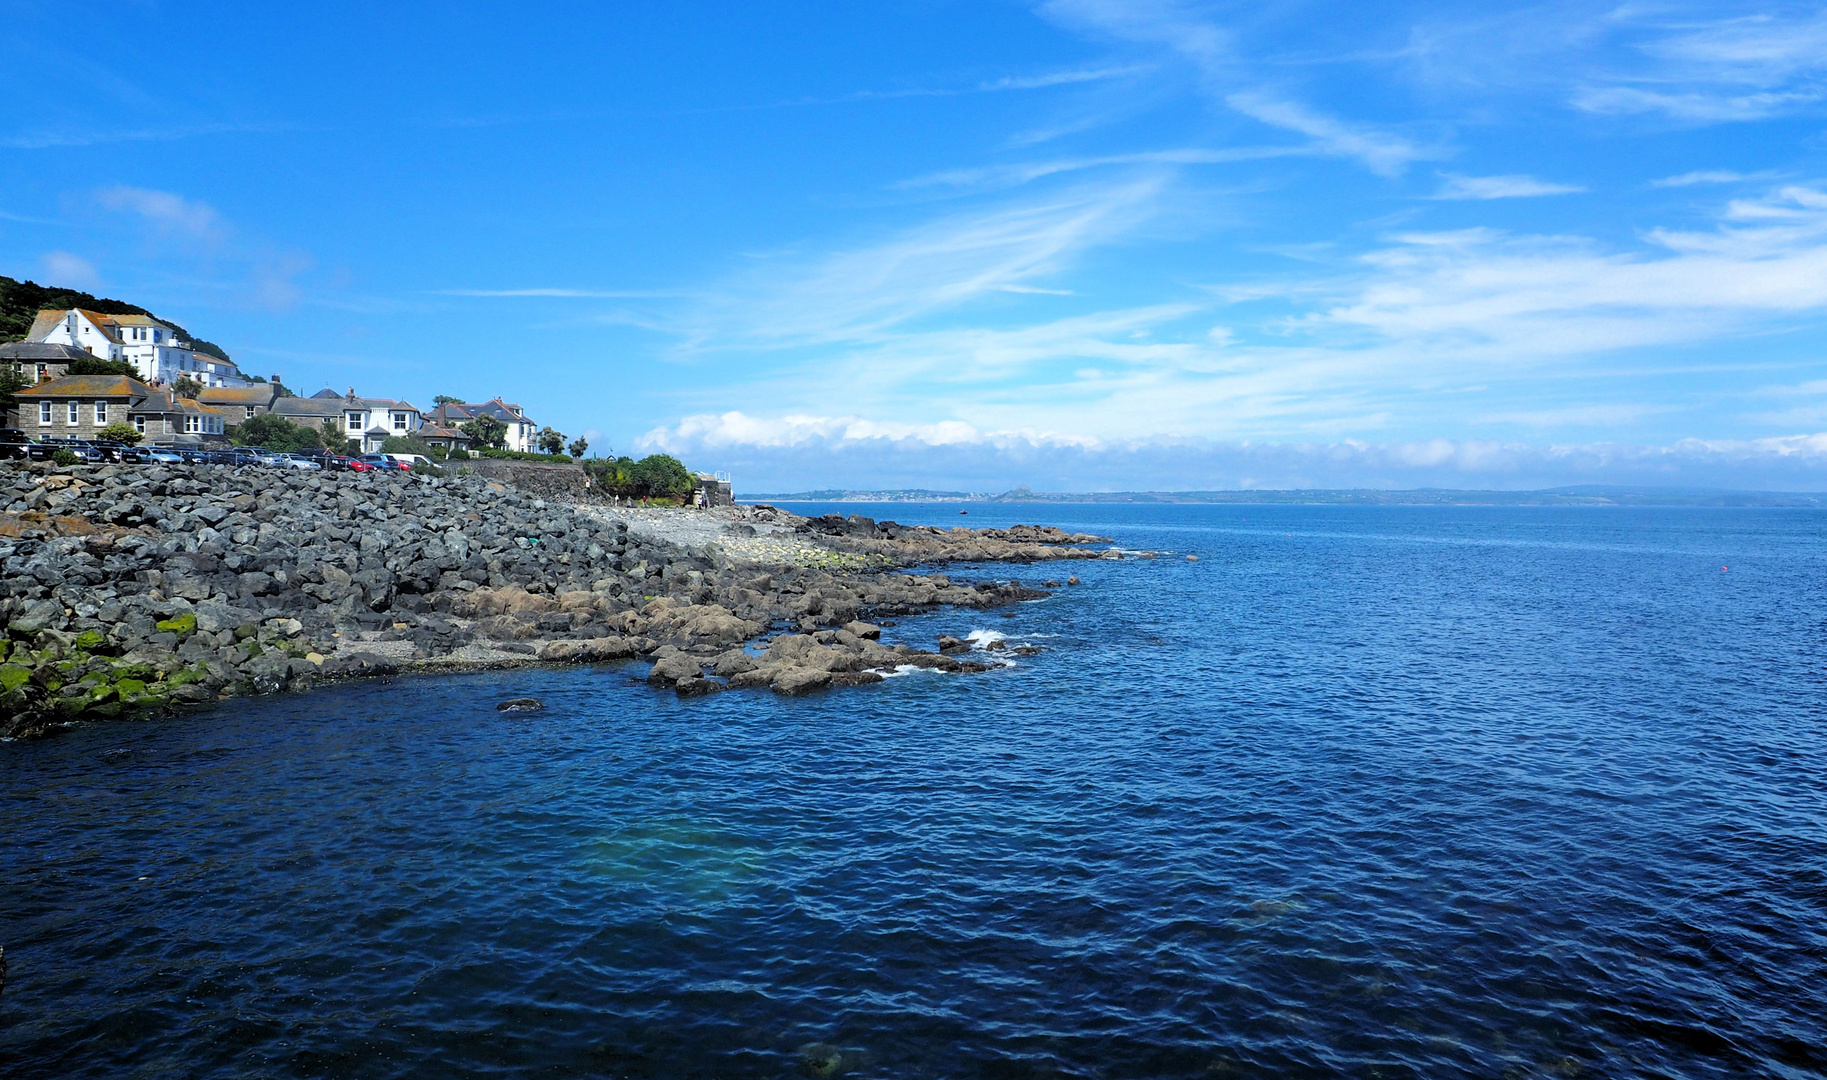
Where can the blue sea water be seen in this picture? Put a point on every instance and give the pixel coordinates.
(1369, 792)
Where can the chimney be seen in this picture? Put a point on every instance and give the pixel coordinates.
(275, 380)
(351, 393)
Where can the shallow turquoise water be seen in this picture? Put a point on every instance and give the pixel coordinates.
(1369, 792)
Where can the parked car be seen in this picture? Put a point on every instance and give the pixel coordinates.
(165, 456)
(243, 455)
(383, 462)
(14, 445)
(412, 460)
(344, 463)
(135, 455)
(296, 461)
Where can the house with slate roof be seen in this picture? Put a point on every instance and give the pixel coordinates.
(522, 432)
(79, 406)
(366, 422)
(37, 361)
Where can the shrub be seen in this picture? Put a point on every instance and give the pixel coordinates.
(64, 457)
(275, 433)
(656, 476)
(405, 444)
(118, 432)
(515, 455)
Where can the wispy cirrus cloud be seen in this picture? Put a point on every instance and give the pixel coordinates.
(1011, 175)
(1381, 152)
(1501, 187)
(559, 293)
(873, 289)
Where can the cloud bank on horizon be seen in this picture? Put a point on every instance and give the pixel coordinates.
(1078, 244)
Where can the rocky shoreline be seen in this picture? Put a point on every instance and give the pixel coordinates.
(153, 589)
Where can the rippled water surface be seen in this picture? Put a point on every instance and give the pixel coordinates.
(1362, 792)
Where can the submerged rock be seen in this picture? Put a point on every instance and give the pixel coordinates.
(520, 704)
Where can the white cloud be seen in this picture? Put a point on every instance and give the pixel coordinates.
(69, 271)
(806, 451)
(1709, 176)
(1501, 187)
(166, 211)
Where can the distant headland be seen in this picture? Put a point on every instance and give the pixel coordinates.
(1579, 495)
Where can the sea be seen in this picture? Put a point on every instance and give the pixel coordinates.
(1425, 792)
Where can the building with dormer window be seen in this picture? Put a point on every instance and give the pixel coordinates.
(141, 340)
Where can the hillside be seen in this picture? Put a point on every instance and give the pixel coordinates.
(20, 301)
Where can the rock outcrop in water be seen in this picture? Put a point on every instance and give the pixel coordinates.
(143, 588)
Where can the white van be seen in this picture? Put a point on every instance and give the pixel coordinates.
(412, 461)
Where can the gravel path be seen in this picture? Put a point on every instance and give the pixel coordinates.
(698, 530)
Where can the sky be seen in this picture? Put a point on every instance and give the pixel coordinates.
(1073, 244)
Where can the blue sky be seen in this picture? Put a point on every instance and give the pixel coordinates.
(1077, 244)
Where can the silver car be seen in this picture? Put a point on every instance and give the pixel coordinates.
(296, 461)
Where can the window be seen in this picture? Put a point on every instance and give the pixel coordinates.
(249, 409)
(69, 412)
(399, 421)
(355, 421)
(44, 413)
(101, 414)
(139, 424)
(190, 423)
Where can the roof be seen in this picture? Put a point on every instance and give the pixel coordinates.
(47, 320)
(438, 431)
(496, 408)
(88, 386)
(40, 350)
(311, 406)
(326, 392)
(104, 323)
(43, 323)
(257, 394)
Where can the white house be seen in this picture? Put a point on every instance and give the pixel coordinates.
(368, 421)
(522, 433)
(148, 344)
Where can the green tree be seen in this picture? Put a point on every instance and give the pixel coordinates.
(275, 433)
(661, 475)
(551, 441)
(489, 433)
(578, 446)
(11, 382)
(120, 432)
(446, 399)
(406, 444)
(95, 365)
(185, 386)
(331, 431)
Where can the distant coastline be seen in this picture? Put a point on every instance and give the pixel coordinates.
(1582, 495)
